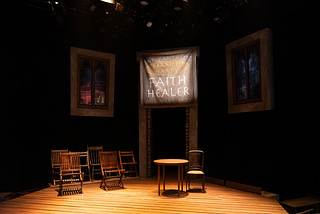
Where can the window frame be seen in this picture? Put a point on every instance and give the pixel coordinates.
(266, 102)
(91, 110)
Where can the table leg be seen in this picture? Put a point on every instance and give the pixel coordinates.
(178, 180)
(164, 185)
(182, 171)
(159, 179)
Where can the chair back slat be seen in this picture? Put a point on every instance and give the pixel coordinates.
(196, 160)
(84, 158)
(70, 162)
(94, 154)
(109, 160)
(126, 156)
(55, 157)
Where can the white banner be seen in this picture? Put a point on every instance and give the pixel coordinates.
(168, 78)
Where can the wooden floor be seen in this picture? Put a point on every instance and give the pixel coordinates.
(141, 196)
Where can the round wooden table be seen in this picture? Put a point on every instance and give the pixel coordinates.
(171, 162)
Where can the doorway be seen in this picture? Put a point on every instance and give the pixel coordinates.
(169, 134)
(145, 148)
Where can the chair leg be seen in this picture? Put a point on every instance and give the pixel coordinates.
(135, 167)
(89, 173)
(53, 180)
(186, 185)
(92, 173)
(102, 181)
(120, 181)
(203, 186)
(60, 187)
(81, 180)
(187, 182)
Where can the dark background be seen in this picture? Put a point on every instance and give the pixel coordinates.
(276, 150)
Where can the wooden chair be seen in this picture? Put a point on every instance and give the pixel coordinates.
(84, 160)
(126, 158)
(94, 159)
(196, 161)
(55, 163)
(110, 169)
(70, 167)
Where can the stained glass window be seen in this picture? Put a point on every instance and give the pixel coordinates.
(92, 82)
(254, 72)
(247, 86)
(100, 83)
(85, 81)
(240, 75)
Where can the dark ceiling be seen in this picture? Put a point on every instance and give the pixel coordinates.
(126, 17)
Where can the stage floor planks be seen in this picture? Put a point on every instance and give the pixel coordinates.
(141, 196)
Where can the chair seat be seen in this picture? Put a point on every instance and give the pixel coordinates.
(129, 163)
(195, 172)
(115, 170)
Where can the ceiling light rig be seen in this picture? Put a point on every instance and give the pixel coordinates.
(58, 9)
(166, 16)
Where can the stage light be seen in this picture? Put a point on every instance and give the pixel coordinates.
(93, 7)
(178, 4)
(217, 19)
(149, 24)
(119, 7)
(144, 3)
(109, 1)
(58, 9)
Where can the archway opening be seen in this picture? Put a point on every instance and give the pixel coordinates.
(169, 135)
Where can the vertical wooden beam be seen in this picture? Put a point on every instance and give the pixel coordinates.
(142, 142)
(193, 127)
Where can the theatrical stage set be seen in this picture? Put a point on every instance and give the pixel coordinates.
(97, 179)
(168, 78)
